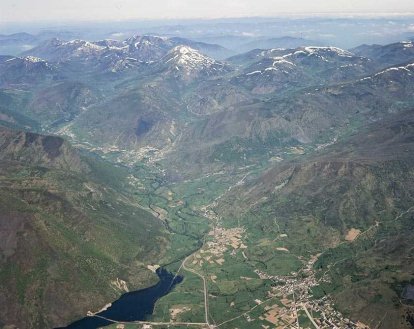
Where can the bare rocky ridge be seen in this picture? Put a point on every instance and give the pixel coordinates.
(34, 149)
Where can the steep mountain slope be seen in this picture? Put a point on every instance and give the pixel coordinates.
(80, 55)
(279, 69)
(324, 202)
(388, 55)
(58, 50)
(24, 70)
(61, 102)
(304, 119)
(47, 151)
(215, 96)
(213, 50)
(71, 238)
(253, 108)
(134, 118)
(144, 48)
(185, 63)
(12, 105)
(149, 111)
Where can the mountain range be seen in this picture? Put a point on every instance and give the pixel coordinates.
(312, 142)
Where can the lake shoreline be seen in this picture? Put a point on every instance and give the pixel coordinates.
(132, 306)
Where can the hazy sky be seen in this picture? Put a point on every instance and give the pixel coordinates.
(58, 10)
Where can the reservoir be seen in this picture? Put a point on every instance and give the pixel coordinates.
(132, 306)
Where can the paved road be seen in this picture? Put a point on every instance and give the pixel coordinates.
(310, 316)
(205, 288)
(198, 324)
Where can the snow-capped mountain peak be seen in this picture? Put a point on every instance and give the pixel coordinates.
(83, 46)
(188, 62)
(187, 57)
(33, 59)
(138, 41)
(331, 50)
(407, 44)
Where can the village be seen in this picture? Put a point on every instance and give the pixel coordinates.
(294, 294)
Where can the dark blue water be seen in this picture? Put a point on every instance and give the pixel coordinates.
(132, 306)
